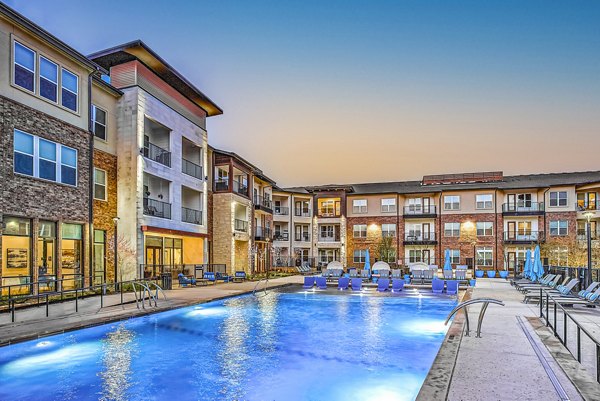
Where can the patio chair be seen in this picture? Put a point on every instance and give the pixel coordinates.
(185, 281)
(558, 292)
(588, 290)
(460, 275)
(356, 284)
(396, 273)
(343, 283)
(324, 273)
(210, 276)
(397, 285)
(417, 276)
(223, 277)
(239, 276)
(427, 276)
(452, 287)
(383, 284)
(437, 286)
(353, 272)
(365, 274)
(321, 283)
(448, 275)
(555, 282)
(309, 282)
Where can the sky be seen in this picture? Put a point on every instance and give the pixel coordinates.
(318, 92)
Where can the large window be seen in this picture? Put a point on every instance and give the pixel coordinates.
(37, 157)
(24, 67)
(484, 201)
(359, 231)
(99, 119)
(451, 229)
(485, 228)
(388, 205)
(70, 89)
(359, 206)
(99, 250)
(414, 256)
(559, 227)
(46, 245)
(328, 255)
(99, 184)
(451, 202)
(455, 256)
(388, 230)
(48, 79)
(558, 198)
(359, 256)
(485, 256)
(72, 254)
(16, 253)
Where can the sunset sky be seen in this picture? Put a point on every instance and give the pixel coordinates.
(318, 92)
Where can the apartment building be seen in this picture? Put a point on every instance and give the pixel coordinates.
(45, 159)
(162, 150)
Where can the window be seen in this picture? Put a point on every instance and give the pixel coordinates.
(388, 205)
(388, 230)
(359, 206)
(99, 256)
(48, 79)
(46, 248)
(483, 201)
(559, 256)
(360, 256)
(328, 255)
(455, 256)
(17, 252)
(24, 67)
(360, 231)
(485, 228)
(72, 252)
(414, 256)
(559, 227)
(99, 184)
(451, 202)
(40, 158)
(70, 89)
(485, 256)
(451, 229)
(99, 119)
(558, 198)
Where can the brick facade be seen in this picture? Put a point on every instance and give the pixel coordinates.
(371, 242)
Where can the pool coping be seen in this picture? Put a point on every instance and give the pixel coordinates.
(436, 385)
(125, 316)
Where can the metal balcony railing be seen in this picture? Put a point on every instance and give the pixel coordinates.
(240, 225)
(156, 208)
(279, 236)
(156, 153)
(419, 210)
(328, 213)
(523, 208)
(191, 215)
(523, 236)
(302, 212)
(191, 168)
(262, 202)
(582, 234)
(304, 237)
(281, 211)
(583, 206)
(262, 233)
(222, 185)
(419, 237)
(329, 238)
(240, 188)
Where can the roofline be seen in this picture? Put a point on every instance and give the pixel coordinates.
(140, 43)
(48, 37)
(107, 86)
(257, 172)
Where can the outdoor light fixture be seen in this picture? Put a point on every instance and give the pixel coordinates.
(588, 229)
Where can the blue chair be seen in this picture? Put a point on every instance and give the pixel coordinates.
(309, 282)
(383, 284)
(343, 283)
(210, 276)
(321, 283)
(356, 284)
(397, 285)
(223, 276)
(239, 276)
(437, 286)
(452, 287)
(184, 281)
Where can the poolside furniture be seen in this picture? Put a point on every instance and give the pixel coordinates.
(239, 276)
(452, 287)
(588, 290)
(437, 286)
(448, 275)
(223, 277)
(321, 283)
(460, 275)
(343, 283)
(559, 291)
(553, 283)
(184, 281)
(210, 276)
(365, 274)
(353, 272)
(383, 284)
(396, 273)
(397, 285)
(417, 276)
(309, 282)
(427, 275)
(356, 284)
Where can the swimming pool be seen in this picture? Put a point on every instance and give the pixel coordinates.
(286, 345)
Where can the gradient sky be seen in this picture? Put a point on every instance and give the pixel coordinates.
(318, 92)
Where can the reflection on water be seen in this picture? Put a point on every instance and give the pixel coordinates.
(343, 308)
(372, 334)
(117, 351)
(233, 352)
(267, 306)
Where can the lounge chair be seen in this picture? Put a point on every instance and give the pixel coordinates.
(553, 283)
(343, 283)
(418, 275)
(396, 273)
(223, 277)
(427, 276)
(239, 276)
(324, 273)
(309, 282)
(321, 283)
(184, 281)
(560, 291)
(460, 275)
(383, 284)
(452, 287)
(353, 272)
(588, 290)
(397, 285)
(356, 284)
(544, 280)
(437, 286)
(448, 275)
(210, 276)
(365, 274)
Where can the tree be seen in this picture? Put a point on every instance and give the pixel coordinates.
(569, 251)
(126, 256)
(385, 249)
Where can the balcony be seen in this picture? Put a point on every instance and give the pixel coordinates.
(329, 213)
(240, 225)
(281, 211)
(222, 184)
(523, 237)
(304, 237)
(191, 169)
(418, 238)
(582, 234)
(420, 211)
(330, 238)
(523, 209)
(240, 188)
(302, 212)
(281, 236)
(157, 154)
(156, 208)
(262, 233)
(263, 203)
(191, 215)
(592, 206)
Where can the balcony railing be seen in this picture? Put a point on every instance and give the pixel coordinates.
(262, 202)
(582, 234)
(156, 208)
(328, 213)
(419, 237)
(156, 153)
(191, 168)
(222, 185)
(328, 238)
(302, 212)
(420, 210)
(304, 237)
(523, 237)
(584, 206)
(279, 236)
(524, 208)
(191, 215)
(240, 188)
(240, 225)
(281, 211)
(262, 233)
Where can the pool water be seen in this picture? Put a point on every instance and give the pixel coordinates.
(285, 346)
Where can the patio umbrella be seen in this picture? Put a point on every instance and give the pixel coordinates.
(447, 264)
(367, 261)
(526, 268)
(538, 268)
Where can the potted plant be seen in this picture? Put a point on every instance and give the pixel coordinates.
(472, 282)
(503, 273)
(491, 273)
(479, 273)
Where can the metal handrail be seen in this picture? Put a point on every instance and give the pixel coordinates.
(485, 301)
(266, 280)
(157, 288)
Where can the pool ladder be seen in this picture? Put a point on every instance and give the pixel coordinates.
(145, 289)
(484, 301)
(266, 280)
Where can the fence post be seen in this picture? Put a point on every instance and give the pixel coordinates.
(541, 303)
(565, 328)
(578, 344)
(76, 300)
(547, 312)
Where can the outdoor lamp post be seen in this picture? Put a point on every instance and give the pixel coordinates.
(115, 244)
(588, 229)
(268, 257)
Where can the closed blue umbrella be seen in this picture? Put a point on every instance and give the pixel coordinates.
(527, 267)
(538, 268)
(447, 264)
(367, 261)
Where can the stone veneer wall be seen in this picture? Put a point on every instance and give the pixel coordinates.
(105, 211)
